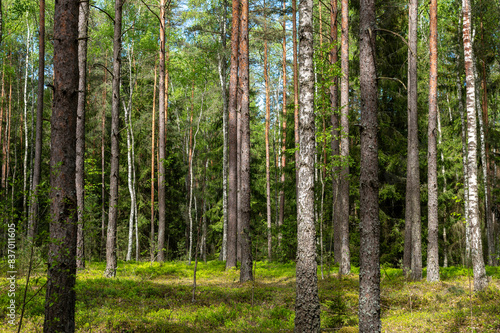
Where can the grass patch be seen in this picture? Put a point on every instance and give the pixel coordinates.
(147, 297)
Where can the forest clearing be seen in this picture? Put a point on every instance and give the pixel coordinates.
(153, 297)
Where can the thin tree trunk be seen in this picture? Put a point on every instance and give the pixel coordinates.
(25, 121)
(152, 235)
(33, 216)
(80, 130)
(295, 90)
(161, 138)
(60, 296)
(268, 120)
(343, 206)
(190, 176)
(480, 279)
(111, 260)
(103, 173)
(369, 275)
(432, 247)
(335, 132)
(307, 307)
(222, 78)
(232, 210)
(283, 134)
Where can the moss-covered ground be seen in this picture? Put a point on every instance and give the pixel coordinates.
(157, 297)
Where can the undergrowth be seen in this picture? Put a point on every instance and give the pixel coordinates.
(156, 297)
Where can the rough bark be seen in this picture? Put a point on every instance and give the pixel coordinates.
(480, 279)
(161, 138)
(335, 147)
(412, 257)
(307, 307)
(232, 211)
(283, 134)
(268, 121)
(80, 129)
(369, 274)
(244, 211)
(103, 173)
(432, 247)
(111, 260)
(343, 204)
(60, 295)
(153, 126)
(33, 216)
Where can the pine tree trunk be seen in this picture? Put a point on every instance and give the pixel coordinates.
(369, 274)
(268, 120)
(80, 130)
(432, 247)
(480, 279)
(232, 211)
(161, 138)
(33, 216)
(307, 307)
(111, 260)
(25, 121)
(244, 209)
(412, 260)
(60, 296)
(295, 89)
(343, 205)
(103, 173)
(153, 125)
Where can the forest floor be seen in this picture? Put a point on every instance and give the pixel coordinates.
(157, 297)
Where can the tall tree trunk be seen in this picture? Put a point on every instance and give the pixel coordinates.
(345, 263)
(412, 257)
(295, 90)
(307, 307)
(33, 216)
(25, 120)
(466, 173)
(153, 124)
(130, 157)
(232, 209)
(480, 279)
(103, 173)
(80, 130)
(60, 296)
(335, 131)
(268, 120)
(283, 134)
(222, 66)
(161, 138)
(369, 274)
(432, 248)
(244, 210)
(111, 260)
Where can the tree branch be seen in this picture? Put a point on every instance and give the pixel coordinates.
(105, 12)
(392, 79)
(101, 65)
(402, 38)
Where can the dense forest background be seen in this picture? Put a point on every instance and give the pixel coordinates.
(197, 47)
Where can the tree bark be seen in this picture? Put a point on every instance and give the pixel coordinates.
(80, 130)
(295, 90)
(369, 275)
(432, 247)
(161, 138)
(412, 259)
(60, 296)
(307, 307)
(232, 210)
(480, 279)
(25, 121)
(103, 173)
(283, 134)
(33, 216)
(111, 260)
(343, 206)
(244, 209)
(153, 125)
(268, 121)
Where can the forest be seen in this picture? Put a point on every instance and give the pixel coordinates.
(236, 166)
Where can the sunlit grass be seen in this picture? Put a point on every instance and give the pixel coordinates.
(154, 297)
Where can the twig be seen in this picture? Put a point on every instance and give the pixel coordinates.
(105, 12)
(393, 79)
